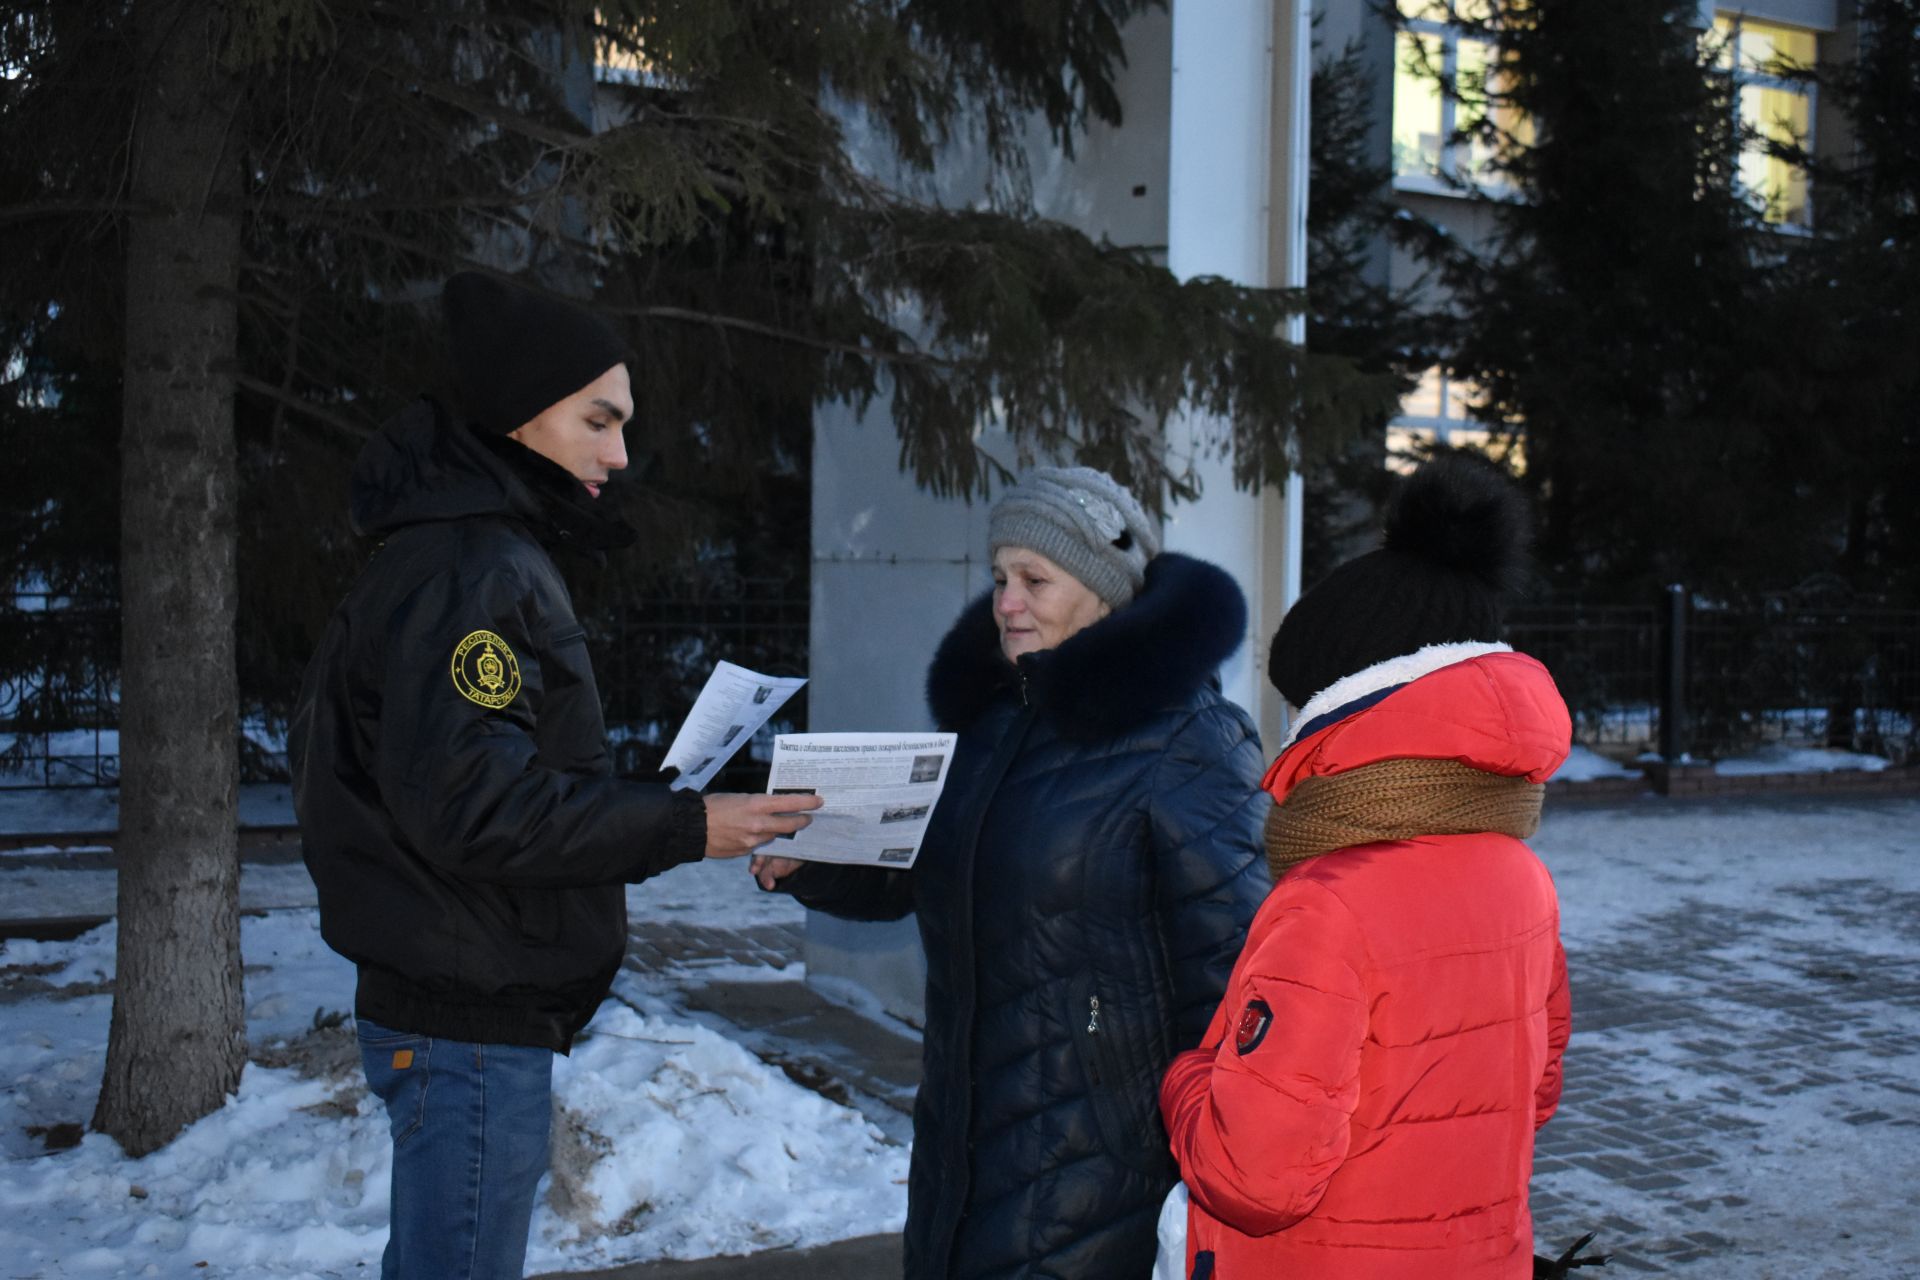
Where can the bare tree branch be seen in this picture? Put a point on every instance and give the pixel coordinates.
(37, 209)
(356, 431)
(919, 358)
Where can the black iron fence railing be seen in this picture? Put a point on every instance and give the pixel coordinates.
(1688, 679)
(654, 656)
(1677, 679)
(1845, 678)
(59, 697)
(1606, 660)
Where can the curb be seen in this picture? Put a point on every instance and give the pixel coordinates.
(861, 1258)
(1688, 780)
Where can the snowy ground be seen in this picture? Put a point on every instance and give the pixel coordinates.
(1718, 1086)
(671, 1142)
(1745, 1070)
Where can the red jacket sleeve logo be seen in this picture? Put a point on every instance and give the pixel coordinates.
(1254, 1021)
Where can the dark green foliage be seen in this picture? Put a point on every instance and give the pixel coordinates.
(1607, 317)
(714, 203)
(1697, 397)
(1838, 379)
(1352, 312)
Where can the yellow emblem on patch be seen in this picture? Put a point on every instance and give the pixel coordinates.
(485, 670)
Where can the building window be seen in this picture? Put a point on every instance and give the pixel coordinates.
(622, 59)
(1430, 52)
(1772, 109)
(1434, 414)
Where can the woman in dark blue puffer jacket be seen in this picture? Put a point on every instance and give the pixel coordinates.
(1083, 889)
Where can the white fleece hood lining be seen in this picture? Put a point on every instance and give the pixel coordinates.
(1385, 675)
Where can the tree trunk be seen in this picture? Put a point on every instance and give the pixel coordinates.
(178, 1039)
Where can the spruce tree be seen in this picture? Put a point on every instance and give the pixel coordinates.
(1353, 310)
(1605, 324)
(708, 194)
(720, 210)
(1837, 382)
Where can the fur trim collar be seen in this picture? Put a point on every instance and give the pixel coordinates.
(1158, 650)
(1370, 684)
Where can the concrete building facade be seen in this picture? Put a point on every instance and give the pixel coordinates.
(1208, 168)
(1414, 122)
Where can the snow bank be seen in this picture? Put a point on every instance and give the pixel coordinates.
(670, 1141)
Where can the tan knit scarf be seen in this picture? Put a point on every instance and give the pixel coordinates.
(1397, 800)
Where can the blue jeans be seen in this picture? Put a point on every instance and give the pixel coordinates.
(470, 1124)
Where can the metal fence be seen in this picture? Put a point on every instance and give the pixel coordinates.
(59, 703)
(1674, 678)
(1686, 678)
(653, 656)
(1846, 678)
(1606, 660)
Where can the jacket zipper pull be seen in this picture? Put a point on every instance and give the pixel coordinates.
(1093, 1017)
(1023, 690)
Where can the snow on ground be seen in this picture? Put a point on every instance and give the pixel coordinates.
(49, 810)
(42, 892)
(673, 1141)
(1584, 764)
(53, 850)
(677, 1142)
(718, 893)
(670, 1141)
(1783, 759)
(1817, 1089)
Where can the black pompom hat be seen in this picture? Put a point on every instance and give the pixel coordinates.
(517, 352)
(1455, 549)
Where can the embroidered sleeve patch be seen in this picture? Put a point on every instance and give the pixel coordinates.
(1254, 1021)
(485, 670)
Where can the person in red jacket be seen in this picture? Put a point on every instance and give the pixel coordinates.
(1364, 1103)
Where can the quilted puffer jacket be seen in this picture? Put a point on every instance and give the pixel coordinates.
(1084, 885)
(1364, 1104)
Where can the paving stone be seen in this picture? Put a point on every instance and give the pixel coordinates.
(1866, 1117)
(1685, 1030)
(1682, 996)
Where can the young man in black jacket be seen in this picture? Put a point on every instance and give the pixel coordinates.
(450, 769)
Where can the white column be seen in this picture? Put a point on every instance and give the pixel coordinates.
(1292, 147)
(1237, 178)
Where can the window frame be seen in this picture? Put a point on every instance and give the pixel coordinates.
(1740, 77)
(1443, 429)
(1450, 180)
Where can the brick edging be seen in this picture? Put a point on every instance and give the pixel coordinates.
(1700, 780)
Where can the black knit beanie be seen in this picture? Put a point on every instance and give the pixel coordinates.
(1455, 548)
(517, 352)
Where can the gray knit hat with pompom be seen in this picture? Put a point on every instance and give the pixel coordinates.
(1082, 520)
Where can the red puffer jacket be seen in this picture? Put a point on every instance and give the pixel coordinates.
(1365, 1100)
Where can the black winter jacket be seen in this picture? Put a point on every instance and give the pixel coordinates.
(450, 768)
(1083, 890)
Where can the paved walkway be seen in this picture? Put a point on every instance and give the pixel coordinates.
(1747, 1054)
(1718, 1048)
(866, 1258)
(1743, 1087)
